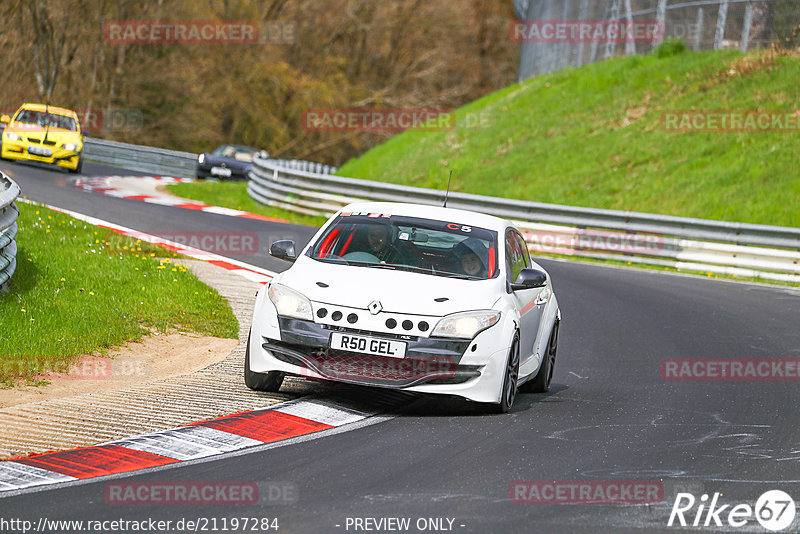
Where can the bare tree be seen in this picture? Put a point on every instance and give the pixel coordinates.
(49, 47)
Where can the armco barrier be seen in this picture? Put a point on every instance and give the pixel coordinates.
(740, 249)
(302, 165)
(165, 162)
(159, 161)
(9, 191)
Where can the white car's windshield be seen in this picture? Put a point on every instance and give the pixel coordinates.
(434, 247)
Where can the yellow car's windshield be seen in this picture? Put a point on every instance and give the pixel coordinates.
(47, 120)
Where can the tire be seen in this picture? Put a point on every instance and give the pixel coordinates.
(509, 391)
(79, 167)
(270, 382)
(541, 382)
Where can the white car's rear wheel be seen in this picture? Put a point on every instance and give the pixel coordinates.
(541, 382)
(270, 381)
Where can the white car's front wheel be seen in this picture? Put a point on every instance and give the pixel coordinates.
(509, 391)
(270, 381)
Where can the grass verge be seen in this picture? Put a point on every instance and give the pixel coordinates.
(79, 289)
(596, 137)
(234, 195)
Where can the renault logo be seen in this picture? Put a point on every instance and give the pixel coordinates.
(375, 307)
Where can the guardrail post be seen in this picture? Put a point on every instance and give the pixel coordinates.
(698, 34)
(630, 45)
(722, 18)
(582, 15)
(661, 20)
(610, 44)
(748, 21)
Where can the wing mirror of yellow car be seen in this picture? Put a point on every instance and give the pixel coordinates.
(5, 119)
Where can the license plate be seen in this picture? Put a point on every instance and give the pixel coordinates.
(368, 345)
(40, 151)
(220, 171)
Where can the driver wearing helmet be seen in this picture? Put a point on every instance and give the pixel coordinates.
(378, 243)
(472, 258)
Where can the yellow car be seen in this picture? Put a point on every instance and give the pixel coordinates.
(43, 133)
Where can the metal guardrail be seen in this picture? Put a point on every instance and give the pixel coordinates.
(9, 191)
(165, 162)
(159, 161)
(698, 244)
(302, 165)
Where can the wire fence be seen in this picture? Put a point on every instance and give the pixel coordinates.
(701, 24)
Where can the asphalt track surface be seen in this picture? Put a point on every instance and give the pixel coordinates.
(608, 417)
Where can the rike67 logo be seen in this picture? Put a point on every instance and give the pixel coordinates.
(774, 510)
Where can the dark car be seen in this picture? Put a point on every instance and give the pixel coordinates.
(227, 162)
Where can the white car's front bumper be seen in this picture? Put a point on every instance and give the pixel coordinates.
(472, 369)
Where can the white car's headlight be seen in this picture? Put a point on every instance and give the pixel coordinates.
(13, 136)
(72, 147)
(465, 325)
(289, 302)
(201, 158)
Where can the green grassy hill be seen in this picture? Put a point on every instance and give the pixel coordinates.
(594, 137)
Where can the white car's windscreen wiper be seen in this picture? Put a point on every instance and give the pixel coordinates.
(375, 265)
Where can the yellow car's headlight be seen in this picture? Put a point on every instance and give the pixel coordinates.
(72, 147)
(13, 136)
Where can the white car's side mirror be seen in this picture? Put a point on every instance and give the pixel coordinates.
(283, 250)
(529, 279)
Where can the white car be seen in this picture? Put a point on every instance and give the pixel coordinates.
(419, 298)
